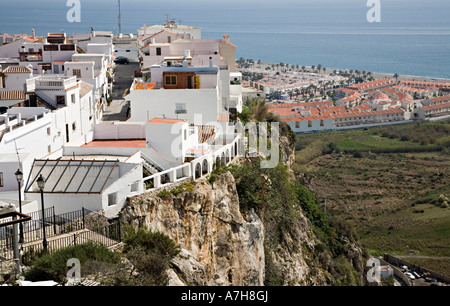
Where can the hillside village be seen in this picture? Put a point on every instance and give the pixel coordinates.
(300, 98)
(182, 102)
(57, 144)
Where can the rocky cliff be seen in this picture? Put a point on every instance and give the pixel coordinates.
(219, 247)
(224, 243)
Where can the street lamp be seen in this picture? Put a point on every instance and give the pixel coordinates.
(19, 177)
(41, 184)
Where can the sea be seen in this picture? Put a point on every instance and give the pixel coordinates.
(411, 37)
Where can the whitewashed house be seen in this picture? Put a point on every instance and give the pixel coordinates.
(69, 101)
(73, 184)
(170, 25)
(180, 91)
(25, 133)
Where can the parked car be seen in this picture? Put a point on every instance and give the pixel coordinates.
(410, 275)
(121, 60)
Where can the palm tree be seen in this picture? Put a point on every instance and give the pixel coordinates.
(396, 76)
(319, 67)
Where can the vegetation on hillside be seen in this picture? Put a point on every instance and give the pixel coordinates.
(390, 182)
(277, 197)
(94, 258)
(143, 261)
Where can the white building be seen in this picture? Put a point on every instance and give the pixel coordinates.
(169, 25)
(94, 37)
(180, 91)
(25, 134)
(14, 77)
(97, 184)
(198, 51)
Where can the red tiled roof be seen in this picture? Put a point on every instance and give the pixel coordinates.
(12, 95)
(17, 69)
(122, 143)
(441, 99)
(436, 106)
(165, 120)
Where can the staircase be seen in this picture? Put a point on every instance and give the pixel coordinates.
(45, 100)
(151, 165)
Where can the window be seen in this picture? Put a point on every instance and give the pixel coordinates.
(61, 100)
(321, 123)
(297, 124)
(135, 187)
(74, 126)
(49, 132)
(180, 108)
(158, 51)
(185, 134)
(112, 199)
(77, 73)
(1, 179)
(49, 148)
(171, 80)
(169, 39)
(73, 98)
(309, 123)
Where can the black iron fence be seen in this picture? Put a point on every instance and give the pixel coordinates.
(95, 226)
(108, 235)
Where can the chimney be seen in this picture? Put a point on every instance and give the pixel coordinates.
(226, 37)
(187, 53)
(153, 40)
(33, 34)
(145, 29)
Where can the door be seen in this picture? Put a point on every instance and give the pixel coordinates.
(67, 133)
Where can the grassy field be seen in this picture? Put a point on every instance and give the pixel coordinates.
(389, 182)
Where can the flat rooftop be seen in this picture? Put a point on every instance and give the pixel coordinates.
(122, 143)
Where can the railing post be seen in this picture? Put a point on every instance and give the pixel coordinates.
(82, 209)
(74, 239)
(54, 221)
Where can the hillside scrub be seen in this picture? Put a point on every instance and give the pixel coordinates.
(94, 258)
(278, 198)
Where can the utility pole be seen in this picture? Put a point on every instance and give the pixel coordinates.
(119, 21)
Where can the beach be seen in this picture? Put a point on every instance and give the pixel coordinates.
(376, 75)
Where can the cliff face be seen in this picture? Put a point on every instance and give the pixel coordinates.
(222, 247)
(219, 247)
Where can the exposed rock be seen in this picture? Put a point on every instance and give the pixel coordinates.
(218, 246)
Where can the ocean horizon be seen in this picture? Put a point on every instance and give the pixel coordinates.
(413, 37)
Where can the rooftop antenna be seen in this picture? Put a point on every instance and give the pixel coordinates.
(118, 20)
(18, 155)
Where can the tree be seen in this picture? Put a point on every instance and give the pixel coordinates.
(396, 76)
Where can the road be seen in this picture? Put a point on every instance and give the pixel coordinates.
(123, 78)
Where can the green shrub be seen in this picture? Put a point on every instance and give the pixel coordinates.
(53, 266)
(151, 242)
(163, 193)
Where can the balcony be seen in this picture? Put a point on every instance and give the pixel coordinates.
(30, 56)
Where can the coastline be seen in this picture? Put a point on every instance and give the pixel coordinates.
(376, 75)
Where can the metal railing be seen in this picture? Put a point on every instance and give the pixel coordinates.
(73, 227)
(108, 235)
